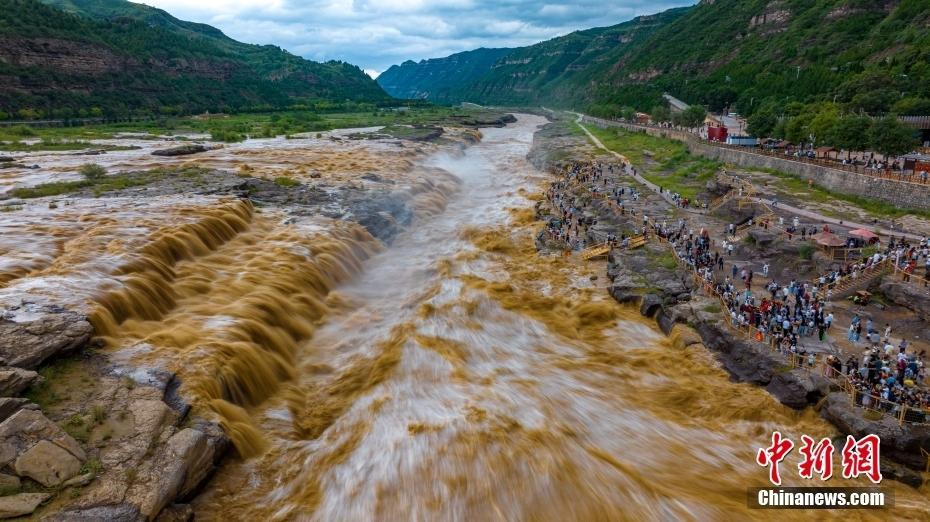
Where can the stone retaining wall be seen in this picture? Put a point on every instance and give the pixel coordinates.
(899, 193)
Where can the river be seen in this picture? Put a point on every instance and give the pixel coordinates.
(460, 376)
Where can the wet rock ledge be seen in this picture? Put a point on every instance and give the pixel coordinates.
(121, 448)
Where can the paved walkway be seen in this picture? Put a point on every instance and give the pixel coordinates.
(632, 173)
(799, 211)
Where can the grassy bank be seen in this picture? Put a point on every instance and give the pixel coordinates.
(240, 126)
(800, 189)
(54, 144)
(99, 186)
(665, 162)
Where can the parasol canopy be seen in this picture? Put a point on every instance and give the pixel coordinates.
(864, 234)
(829, 239)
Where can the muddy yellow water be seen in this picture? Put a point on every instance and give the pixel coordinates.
(459, 376)
(452, 375)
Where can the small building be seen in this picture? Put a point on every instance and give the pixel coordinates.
(922, 124)
(826, 152)
(674, 104)
(642, 118)
(742, 141)
(917, 162)
(717, 133)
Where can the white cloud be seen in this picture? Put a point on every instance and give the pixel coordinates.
(374, 34)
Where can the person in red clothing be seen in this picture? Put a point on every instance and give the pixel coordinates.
(909, 269)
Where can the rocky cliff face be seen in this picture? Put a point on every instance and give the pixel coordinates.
(62, 55)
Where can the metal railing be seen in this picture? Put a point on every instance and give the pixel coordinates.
(877, 406)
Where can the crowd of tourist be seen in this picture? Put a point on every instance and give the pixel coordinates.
(782, 315)
(886, 376)
(571, 226)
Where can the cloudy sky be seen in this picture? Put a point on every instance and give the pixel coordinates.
(375, 34)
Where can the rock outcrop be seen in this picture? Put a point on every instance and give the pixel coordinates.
(21, 504)
(637, 273)
(35, 447)
(182, 150)
(154, 462)
(900, 443)
(14, 380)
(179, 467)
(140, 461)
(47, 463)
(908, 295)
(30, 334)
(121, 512)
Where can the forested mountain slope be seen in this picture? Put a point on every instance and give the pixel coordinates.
(868, 55)
(81, 57)
(439, 79)
(527, 75)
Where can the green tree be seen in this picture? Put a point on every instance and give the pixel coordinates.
(797, 130)
(822, 124)
(874, 102)
(3, 116)
(92, 171)
(691, 117)
(780, 130)
(795, 109)
(890, 137)
(28, 114)
(851, 133)
(912, 106)
(660, 114)
(763, 121)
(628, 113)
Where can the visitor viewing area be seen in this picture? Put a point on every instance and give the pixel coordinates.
(836, 287)
(906, 190)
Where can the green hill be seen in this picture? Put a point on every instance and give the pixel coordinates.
(546, 72)
(438, 79)
(868, 55)
(90, 57)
